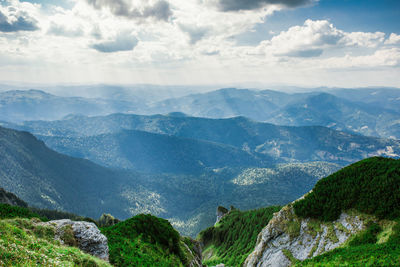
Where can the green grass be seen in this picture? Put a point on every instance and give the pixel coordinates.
(369, 236)
(25, 243)
(364, 255)
(370, 186)
(145, 240)
(235, 236)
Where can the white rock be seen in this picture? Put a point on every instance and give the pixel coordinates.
(274, 240)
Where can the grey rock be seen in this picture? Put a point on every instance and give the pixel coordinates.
(196, 260)
(88, 237)
(275, 242)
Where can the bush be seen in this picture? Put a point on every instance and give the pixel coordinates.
(144, 240)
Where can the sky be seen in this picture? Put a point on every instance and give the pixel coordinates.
(345, 43)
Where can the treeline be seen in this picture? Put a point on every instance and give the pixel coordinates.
(8, 211)
(371, 186)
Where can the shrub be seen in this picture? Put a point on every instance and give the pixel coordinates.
(144, 240)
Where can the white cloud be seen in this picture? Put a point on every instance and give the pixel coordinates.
(239, 5)
(393, 39)
(385, 57)
(64, 30)
(159, 10)
(364, 39)
(313, 37)
(18, 17)
(197, 43)
(122, 42)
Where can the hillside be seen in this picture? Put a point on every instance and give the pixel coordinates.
(282, 143)
(11, 199)
(340, 114)
(47, 179)
(370, 186)
(223, 103)
(347, 219)
(156, 153)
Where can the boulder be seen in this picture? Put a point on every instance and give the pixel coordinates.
(84, 235)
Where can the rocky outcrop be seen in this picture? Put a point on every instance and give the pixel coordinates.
(195, 259)
(107, 220)
(84, 235)
(221, 212)
(288, 238)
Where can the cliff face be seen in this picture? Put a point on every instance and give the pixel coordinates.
(288, 237)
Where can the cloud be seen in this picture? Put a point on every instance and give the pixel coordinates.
(237, 5)
(316, 52)
(195, 33)
(160, 10)
(17, 21)
(380, 58)
(312, 38)
(364, 39)
(122, 42)
(62, 30)
(393, 39)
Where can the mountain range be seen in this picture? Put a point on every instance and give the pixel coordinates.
(367, 111)
(174, 142)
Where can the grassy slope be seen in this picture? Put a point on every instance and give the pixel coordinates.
(145, 240)
(234, 237)
(23, 242)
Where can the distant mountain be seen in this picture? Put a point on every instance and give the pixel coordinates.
(17, 106)
(156, 153)
(224, 103)
(11, 199)
(379, 97)
(47, 179)
(368, 111)
(79, 135)
(337, 113)
(373, 112)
